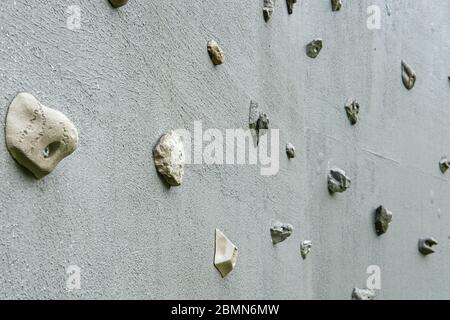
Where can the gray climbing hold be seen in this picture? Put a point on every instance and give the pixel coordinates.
(290, 151)
(118, 3)
(254, 115)
(408, 76)
(425, 245)
(280, 231)
(268, 9)
(215, 53)
(305, 248)
(313, 48)
(263, 122)
(169, 158)
(338, 181)
(290, 5)
(336, 5)
(258, 120)
(444, 164)
(352, 109)
(38, 137)
(363, 294)
(383, 218)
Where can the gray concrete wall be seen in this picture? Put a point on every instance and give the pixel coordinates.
(129, 75)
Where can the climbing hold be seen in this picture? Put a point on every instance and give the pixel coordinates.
(258, 120)
(305, 248)
(268, 9)
(425, 245)
(169, 158)
(352, 109)
(38, 137)
(226, 254)
(118, 3)
(338, 181)
(290, 5)
(215, 53)
(313, 48)
(444, 164)
(280, 231)
(383, 218)
(408, 76)
(290, 150)
(363, 294)
(336, 5)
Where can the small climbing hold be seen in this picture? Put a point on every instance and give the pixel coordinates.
(290, 151)
(290, 5)
(313, 48)
(338, 181)
(425, 245)
(305, 248)
(352, 109)
(336, 5)
(268, 9)
(408, 75)
(258, 121)
(169, 158)
(215, 53)
(226, 254)
(118, 3)
(444, 164)
(383, 218)
(363, 294)
(280, 231)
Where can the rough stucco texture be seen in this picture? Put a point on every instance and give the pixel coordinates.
(130, 75)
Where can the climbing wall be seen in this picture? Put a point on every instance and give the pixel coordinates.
(126, 76)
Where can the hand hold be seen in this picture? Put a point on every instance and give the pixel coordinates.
(444, 164)
(38, 137)
(305, 248)
(338, 181)
(118, 3)
(226, 254)
(290, 5)
(336, 5)
(258, 120)
(408, 76)
(290, 151)
(169, 158)
(268, 9)
(363, 294)
(425, 245)
(280, 231)
(352, 109)
(313, 48)
(383, 218)
(215, 53)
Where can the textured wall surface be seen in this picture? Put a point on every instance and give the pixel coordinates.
(129, 75)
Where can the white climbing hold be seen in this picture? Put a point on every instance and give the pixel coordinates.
(169, 158)
(226, 254)
(38, 137)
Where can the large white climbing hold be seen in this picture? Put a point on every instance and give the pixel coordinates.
(38, 137)
(169, 158)
(226, 254)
